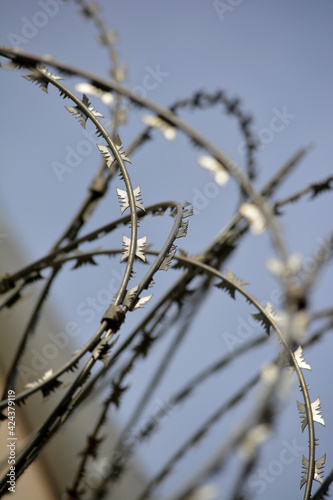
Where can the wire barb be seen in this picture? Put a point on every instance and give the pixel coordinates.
(316, 413)
(300, 359)
(38, 78)
(140, 248)
(182, 230)
(107, 153)
(230, 285)
(263, 320)
(167, 261)
(78, 113)
(124, 200)
(318, 470)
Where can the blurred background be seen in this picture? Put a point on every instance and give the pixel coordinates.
(277, 58)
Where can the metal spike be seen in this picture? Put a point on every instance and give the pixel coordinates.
(230, 288)
(119, 148)
(35, 77)
(44, 377)
(261, 318)
(126, 243)
(187, 213)
(48, 387)
(166, 263)
(140, 248)
(62, 94)
(124, 157)
(78, 113)
(300, 359)
(173, 213)
(130, 294)
(138, 199)
(138, 224)
(316, 413)
(159, 211)
(124, 201)
(106, 152)
(234, 278)
(319, 466)
(141, 302)
(101, 346)
(182, 230)
(123, 198)
(270, 310)
(10, 65)
(42, 84)
(237, 281)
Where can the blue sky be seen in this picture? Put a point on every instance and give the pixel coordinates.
(277, 57)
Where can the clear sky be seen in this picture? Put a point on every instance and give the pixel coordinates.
(274, 55)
